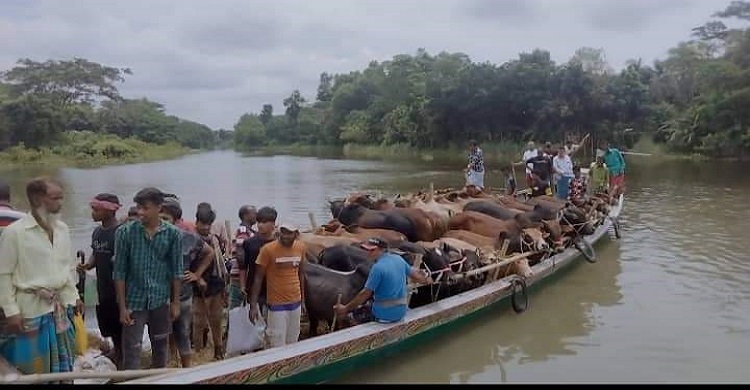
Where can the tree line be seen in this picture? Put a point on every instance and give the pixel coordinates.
(692, 101)
(42, 101)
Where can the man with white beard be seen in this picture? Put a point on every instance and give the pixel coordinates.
(38, 293)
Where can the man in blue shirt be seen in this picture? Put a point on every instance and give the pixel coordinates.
(386, 284)
(615, 163)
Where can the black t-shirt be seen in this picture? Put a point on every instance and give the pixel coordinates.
(251, 247)
(192, 245)
(103, 247)
(542, 166)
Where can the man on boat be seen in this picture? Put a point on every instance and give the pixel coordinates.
(281, 263)
(247, 215)
(104, 208)
(38, 294)
(266, 222)
(530, 152)
(541, 167)
(386, 284)
(475, 168)
(148, 279)
(599, 175)
(615, 163)
(210, 293)
(8, 214)
(563, 166)
(197, 257)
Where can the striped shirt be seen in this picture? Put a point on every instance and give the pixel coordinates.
(147, 265)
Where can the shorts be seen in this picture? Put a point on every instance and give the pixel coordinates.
(618, 180)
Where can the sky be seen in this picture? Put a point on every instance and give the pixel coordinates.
(212, 61)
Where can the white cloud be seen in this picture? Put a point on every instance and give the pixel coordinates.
(212, 61)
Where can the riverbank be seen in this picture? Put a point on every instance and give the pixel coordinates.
(495, 154)
(86, 149)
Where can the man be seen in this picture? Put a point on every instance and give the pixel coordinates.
(563, 166)
(104, 208)
(210, 294)
(530, 152)
(148, 279)
(599, 175)
(615, 163)
(8, 214)
(541, 169)
(475, 168)
(38, 294)
(386, 284)
(281, 262)
(196, 259)
(247, 215)
(266, 220)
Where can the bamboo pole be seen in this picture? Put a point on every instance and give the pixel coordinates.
(69, 376)
(335, 315)
(313, 223)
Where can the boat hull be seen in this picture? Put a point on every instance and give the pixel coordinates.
(327, 357)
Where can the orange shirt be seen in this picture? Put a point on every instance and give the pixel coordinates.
(282, 267)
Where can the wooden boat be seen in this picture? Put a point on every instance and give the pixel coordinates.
(326, 357)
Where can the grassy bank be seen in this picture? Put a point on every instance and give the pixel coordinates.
(494, 154)
(86, 149)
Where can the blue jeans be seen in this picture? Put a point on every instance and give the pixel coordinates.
(563, 187)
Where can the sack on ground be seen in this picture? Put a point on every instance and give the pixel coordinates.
(244, 336)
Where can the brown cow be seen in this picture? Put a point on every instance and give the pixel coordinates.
(522, 236)
(316, 243)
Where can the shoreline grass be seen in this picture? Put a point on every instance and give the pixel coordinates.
(87, 150)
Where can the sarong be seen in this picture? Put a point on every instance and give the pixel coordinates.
(41, 349)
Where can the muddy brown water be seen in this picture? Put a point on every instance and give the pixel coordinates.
(669, 302)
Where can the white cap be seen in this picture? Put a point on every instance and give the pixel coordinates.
(289, 226)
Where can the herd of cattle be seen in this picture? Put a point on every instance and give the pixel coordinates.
(451, 231)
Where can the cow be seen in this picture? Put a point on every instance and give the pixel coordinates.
(415, 224)
(522, 235)
(335, 228)
(316, 243)
(354, 260)
(540, 214)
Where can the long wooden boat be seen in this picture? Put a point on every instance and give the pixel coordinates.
(325, 357)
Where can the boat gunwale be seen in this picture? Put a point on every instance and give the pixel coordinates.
(256, 366)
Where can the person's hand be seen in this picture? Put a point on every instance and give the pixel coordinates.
(174, 311)
(14, 324)
(125, 318)
(340, 309)
(83, 267)
(253, 313)
(202, 285)
(189, 277)
(79, 306)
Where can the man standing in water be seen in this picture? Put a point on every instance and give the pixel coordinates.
(475, 168)
(38, 294)
(148, 278)
(103, 210)
(281, 262)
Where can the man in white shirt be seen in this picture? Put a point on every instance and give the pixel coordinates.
(38, 292)
(528, 154)
(563, 167)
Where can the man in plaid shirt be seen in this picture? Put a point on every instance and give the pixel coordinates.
(148, 276)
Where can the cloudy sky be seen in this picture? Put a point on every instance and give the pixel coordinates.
(212, 61)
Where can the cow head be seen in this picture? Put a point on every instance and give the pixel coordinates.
(438, 262)
(336, 206)
(534, 238)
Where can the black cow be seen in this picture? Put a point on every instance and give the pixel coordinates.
(322, 287)
(356, 214)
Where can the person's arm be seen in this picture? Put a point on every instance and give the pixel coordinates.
(174, 259)
(260, 273)
(358, 300)
(122, 258)
(8, 264)
(206, 256)
(69, 293)
(300, 270)
(419, 276)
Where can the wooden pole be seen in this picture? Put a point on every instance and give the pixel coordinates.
(335, 315)
(313, 223)
(69, 376)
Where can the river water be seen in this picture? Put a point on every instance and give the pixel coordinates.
(669, 302)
